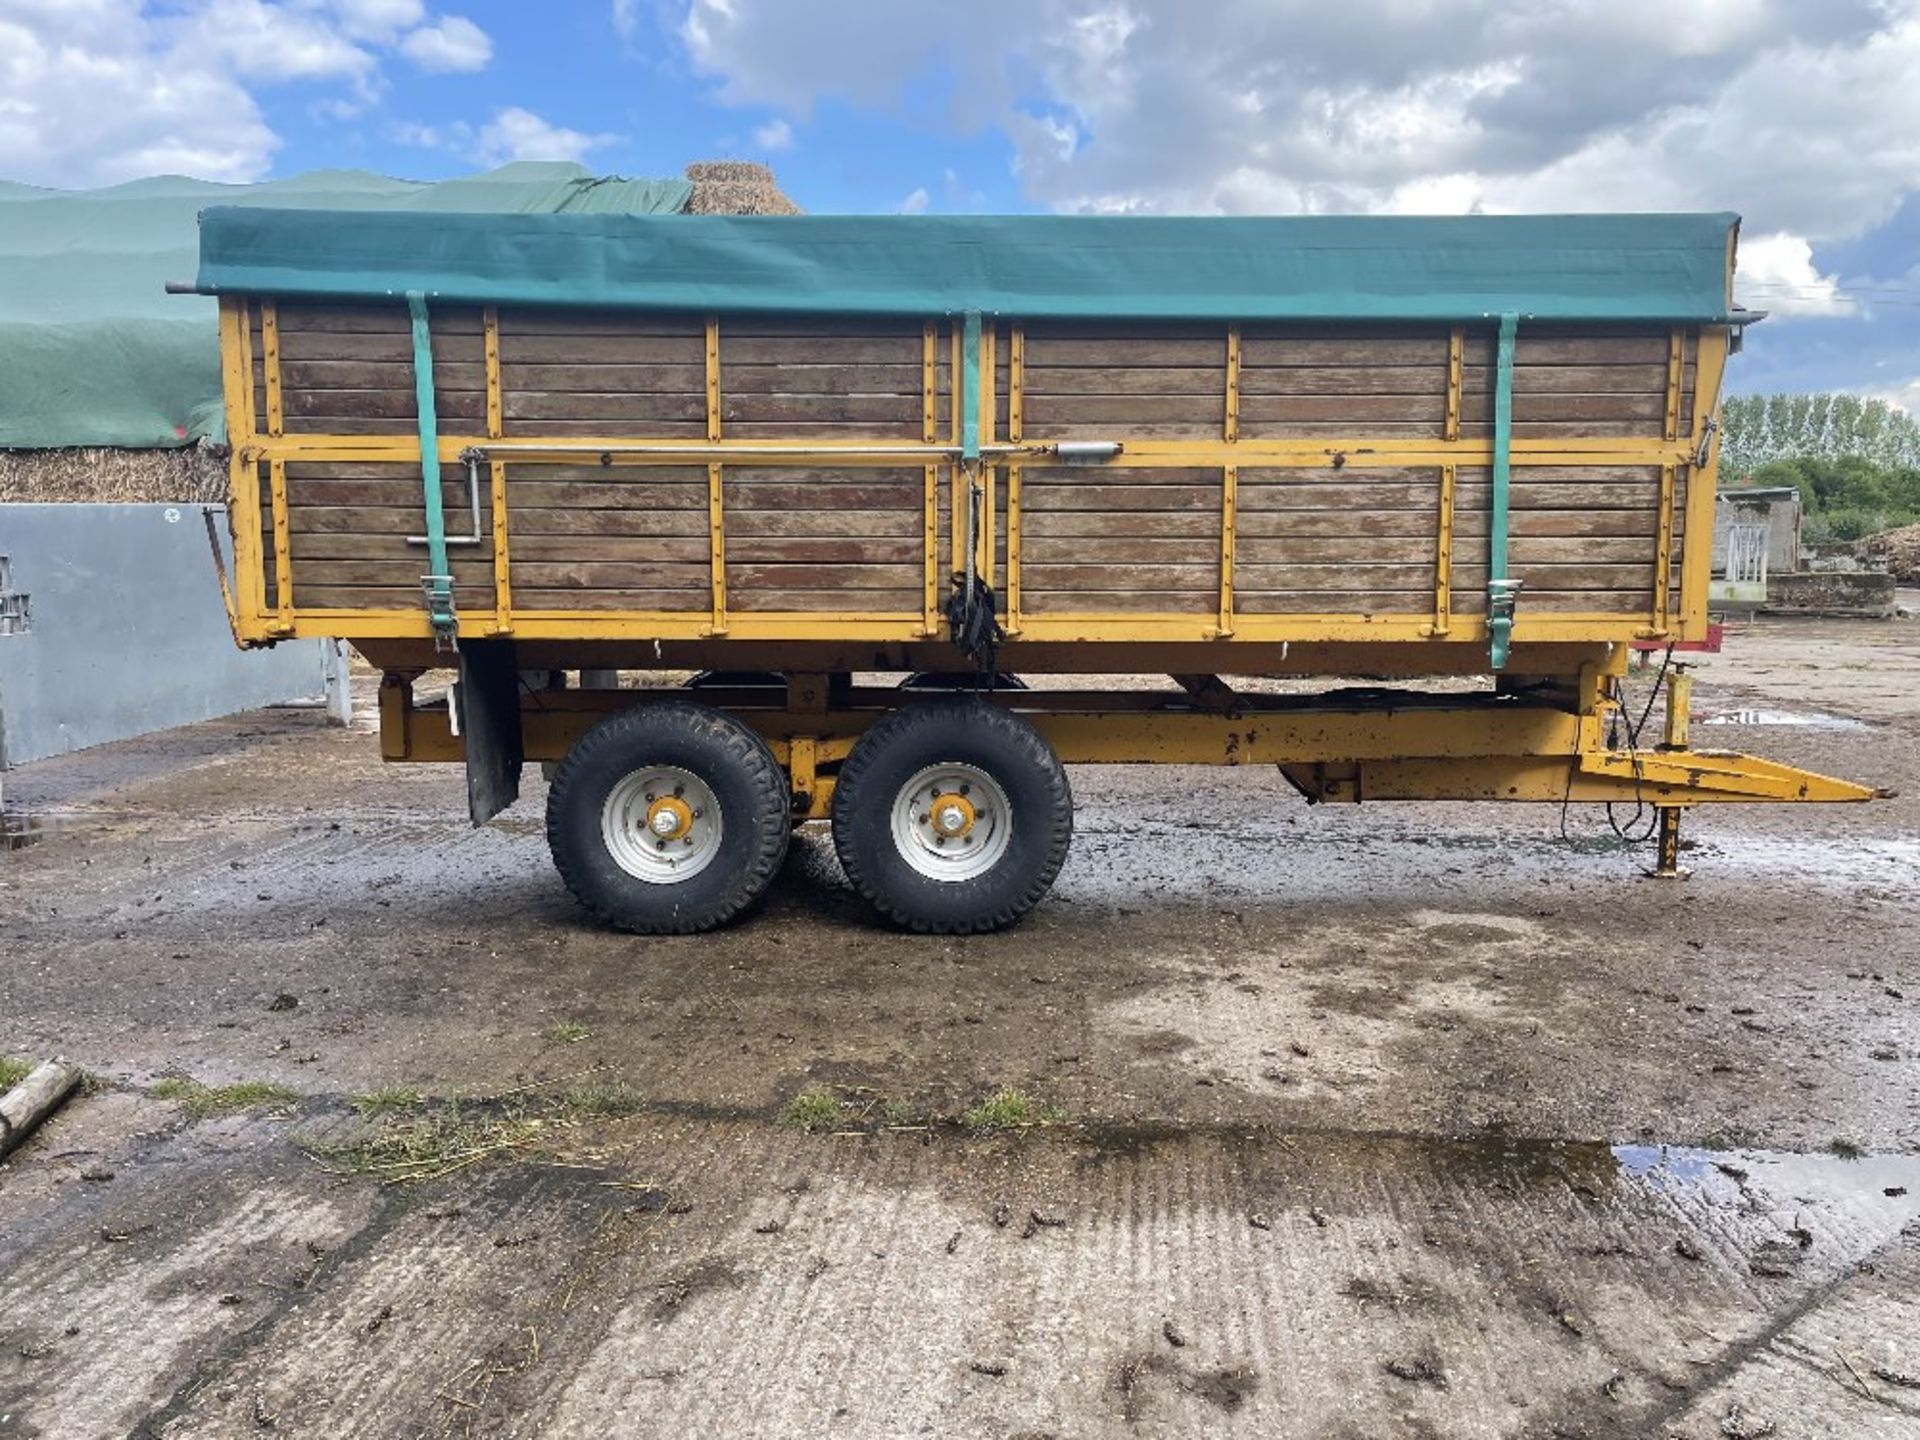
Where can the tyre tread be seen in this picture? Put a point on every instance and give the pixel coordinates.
(745, 748)
(940, 712)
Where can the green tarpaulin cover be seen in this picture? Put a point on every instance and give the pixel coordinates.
(1668, 268)
(94, 352)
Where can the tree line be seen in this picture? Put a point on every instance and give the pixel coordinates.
(1854, 460)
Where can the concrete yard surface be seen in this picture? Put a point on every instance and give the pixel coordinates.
(1329, 1123)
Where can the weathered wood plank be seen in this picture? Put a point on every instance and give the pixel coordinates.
(1043, 353)
(381, 404)
(1038, 600)
(746, 525)
(774, 550)
(1209, 381)
(1146, 549)
(609, 349)
(679, 600)
(901, 413)
(613, 412)
(519, 321)
(1095, 524)
(610, 575)
(1152, 578)
(400, 570)
(900, 600)
(802, 576)
(389, 375)
(1120, 497)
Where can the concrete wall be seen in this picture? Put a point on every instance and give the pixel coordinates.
(1839, 592)
(127, 632)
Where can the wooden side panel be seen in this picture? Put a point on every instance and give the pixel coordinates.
(1094, 540)
(1124, 537)
(347, 526)
(1323, 541)
(567, 372)
(822, 540)
(1389, 382)
(820, 378)
(348, 369)
(583, 537)
(1113, 382)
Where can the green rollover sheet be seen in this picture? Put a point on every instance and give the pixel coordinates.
(1665, 268)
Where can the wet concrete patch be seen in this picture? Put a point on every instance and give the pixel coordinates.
(1262, 1283)
(1323, 1015)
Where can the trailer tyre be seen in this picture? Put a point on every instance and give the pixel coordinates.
(668, 819)
(952, 816)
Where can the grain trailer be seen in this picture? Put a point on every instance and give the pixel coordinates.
(875, 480)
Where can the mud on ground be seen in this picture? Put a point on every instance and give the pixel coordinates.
(1394, 1121)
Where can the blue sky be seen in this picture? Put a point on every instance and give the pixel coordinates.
(1803, 115)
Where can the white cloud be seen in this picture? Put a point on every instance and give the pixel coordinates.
(1800, 113)
(914, 204)
(1904, 395)
(97, 91)
(258, 41)
(451, 43)
(518, 134)
(626, 17)
(93, 92)
(377, 20)
(1776, 273)
(774, 135)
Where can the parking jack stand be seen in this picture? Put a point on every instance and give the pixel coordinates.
(1679, 706)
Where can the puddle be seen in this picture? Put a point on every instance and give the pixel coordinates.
(1785, 1176)
(1804, 719)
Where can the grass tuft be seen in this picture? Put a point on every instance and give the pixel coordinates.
(1007, 1109)
(387, 1100)
(429, 1145)
(812, 1110)
(611, 1098)
(567, 1032)
(1846, 1148)
(901, 1112)
(202, 1101)
(13, 1071)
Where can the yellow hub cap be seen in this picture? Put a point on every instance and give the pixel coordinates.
(669, 817)
(951, 814)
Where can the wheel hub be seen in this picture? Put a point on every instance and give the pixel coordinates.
(661, 824)
(669, 817)
(952, 821)
(951, 815)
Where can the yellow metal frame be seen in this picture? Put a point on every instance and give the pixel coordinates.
(276, 469)
(497, 479)
(1674, 455)
(1332, 754)
(929, 432)
(1016, 432)
(716, 477)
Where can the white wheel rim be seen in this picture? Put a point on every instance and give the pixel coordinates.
(952, 822)
(661, 825)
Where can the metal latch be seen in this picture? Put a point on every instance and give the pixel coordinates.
(440, 612)
(1501, 598)
(471, 458)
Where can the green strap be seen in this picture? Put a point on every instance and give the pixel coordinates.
(438, 583)
(970, 389)
(1500, 587)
